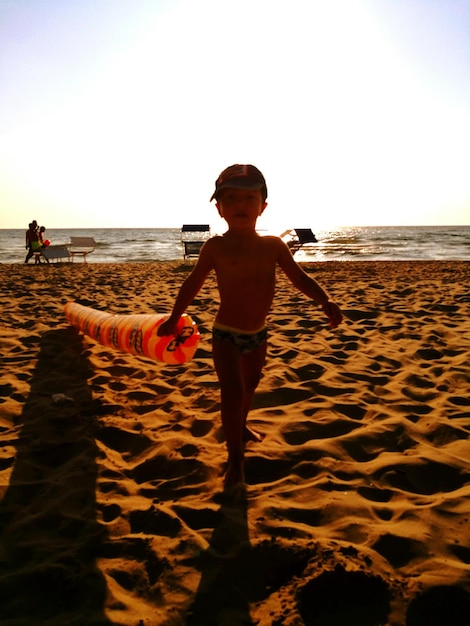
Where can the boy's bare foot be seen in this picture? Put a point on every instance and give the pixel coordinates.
(252, 435)
(235, 473)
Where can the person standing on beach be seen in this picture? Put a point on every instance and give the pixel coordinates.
(42, 240)
(32, 239)
(245, 265)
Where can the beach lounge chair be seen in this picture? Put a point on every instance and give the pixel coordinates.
(300, 237)
(193, 237)
(56, 253)
(81, 246)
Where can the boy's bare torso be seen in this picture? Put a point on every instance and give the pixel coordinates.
(245, 265)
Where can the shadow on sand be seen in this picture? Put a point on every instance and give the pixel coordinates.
(49, 534)
(222, 596)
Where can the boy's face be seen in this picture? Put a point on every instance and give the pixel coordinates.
(240, 208)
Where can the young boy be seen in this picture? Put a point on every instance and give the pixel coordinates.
(245, 265)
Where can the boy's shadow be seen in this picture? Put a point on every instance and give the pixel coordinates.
(49, 534)
(223, 594)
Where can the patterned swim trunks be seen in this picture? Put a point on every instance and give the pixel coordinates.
(245, 342)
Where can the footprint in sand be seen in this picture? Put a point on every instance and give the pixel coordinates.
(399, 551)
(184, 471)
(356, 315)
(444, 434)
(366, 447)
(201, 427)
(462, 553)
(111, 512)
(123, 440)
(141, 396)
(354, 411)
(198, 519)
(6, 390)
(375, 494)
(424, 477)
(260, 470)
(420, 394)
(154, 521)
(311, 371)
(121, 557)
(117, 385)
(280, 397)
(301, 432)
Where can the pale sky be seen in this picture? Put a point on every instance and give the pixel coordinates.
(122, 113)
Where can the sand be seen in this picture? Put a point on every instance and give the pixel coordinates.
(356, 508)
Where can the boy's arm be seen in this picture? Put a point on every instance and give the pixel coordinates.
(188, 290)
(307, 285)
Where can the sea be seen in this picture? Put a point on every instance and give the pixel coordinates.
(352, 243)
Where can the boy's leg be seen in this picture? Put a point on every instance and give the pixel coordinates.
(252, 364)
(239, 375)
(228, 366)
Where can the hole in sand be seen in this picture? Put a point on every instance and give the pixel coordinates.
(339, 597)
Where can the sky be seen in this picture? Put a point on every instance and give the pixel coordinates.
(122, 113)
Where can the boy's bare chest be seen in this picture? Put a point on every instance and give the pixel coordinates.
(244, 274)
(252, 259)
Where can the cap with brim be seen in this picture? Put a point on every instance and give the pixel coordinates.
(242, 177)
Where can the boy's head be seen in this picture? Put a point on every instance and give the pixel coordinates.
(242, 177)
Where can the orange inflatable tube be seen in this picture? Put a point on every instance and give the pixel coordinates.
(136, 334)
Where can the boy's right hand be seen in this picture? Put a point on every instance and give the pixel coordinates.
(167, 328)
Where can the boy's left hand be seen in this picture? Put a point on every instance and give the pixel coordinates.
(332, 311)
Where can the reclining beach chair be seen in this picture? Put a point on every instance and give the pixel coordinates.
(193, 237)
(81, 246)
(300, 237)
(56, 253)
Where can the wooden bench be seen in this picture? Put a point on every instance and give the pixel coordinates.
(55, 253)
(81, 246)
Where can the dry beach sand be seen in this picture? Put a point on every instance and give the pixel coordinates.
(357, 504)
